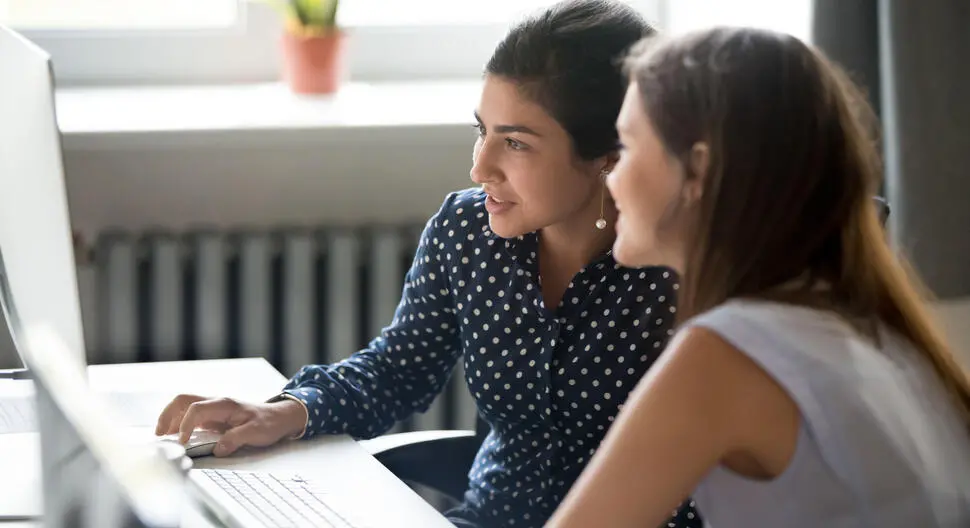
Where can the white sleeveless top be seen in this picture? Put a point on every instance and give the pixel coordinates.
(880, 445)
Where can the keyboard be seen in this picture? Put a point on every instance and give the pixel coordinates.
(277, 502)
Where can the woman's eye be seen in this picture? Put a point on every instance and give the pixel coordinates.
(480, 128)
(514, 145)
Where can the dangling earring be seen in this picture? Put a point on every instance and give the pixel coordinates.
(601, 221)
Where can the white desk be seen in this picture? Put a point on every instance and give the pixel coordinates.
(364, 483)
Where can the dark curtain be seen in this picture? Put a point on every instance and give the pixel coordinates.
(913, 59)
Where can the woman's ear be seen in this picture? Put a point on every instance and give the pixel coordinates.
(607, 162)
(700, 163)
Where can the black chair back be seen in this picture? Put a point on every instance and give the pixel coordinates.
(882, 207)
(481, 430)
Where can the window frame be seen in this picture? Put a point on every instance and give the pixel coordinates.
(247, 52)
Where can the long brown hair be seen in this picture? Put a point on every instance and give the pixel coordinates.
(788, 195)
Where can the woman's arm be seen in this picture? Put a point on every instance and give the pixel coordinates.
(400, 372)
(702, 400)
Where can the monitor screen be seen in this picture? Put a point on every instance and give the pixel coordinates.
(35, 228)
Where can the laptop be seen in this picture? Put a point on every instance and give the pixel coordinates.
(134, 483)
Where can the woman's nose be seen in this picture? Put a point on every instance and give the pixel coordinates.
(483, 169)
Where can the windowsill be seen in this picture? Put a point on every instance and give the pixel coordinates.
(96, 118)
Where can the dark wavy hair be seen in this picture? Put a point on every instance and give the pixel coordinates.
(568, 59)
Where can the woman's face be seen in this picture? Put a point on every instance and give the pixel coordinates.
(647, 186)
(525, 162)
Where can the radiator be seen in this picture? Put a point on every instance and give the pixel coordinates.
(294, 297)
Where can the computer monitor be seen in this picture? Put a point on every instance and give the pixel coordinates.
(105, 481)
(87, 477)
(36, 244)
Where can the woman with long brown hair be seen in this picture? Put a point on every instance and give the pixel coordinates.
(807, 385)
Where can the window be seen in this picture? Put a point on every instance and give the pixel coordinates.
(219, 41)
(117, 14)
(788, 16)
(229, 41)
(435, 12)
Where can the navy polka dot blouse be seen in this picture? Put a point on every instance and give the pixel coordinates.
(549, 380)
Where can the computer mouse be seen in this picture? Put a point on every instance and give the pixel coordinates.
(200, 444)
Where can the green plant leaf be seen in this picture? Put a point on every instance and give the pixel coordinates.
(319, 13)
(332, 15)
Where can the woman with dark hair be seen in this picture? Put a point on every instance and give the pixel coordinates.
(515, 279)
(807, 385)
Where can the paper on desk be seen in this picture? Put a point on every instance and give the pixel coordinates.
(20, 484)
(16, 388)
(17, 407)
(133, 409)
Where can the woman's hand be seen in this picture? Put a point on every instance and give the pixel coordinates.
(241, 424)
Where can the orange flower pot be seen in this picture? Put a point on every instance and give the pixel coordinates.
(313, 64)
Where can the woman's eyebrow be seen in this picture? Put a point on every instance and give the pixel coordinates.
(510, 129)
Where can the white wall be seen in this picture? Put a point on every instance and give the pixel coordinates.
(391, 177)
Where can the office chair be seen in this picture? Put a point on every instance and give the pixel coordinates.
(440, 460)
(882, 207)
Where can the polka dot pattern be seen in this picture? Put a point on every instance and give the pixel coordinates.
(549, 380)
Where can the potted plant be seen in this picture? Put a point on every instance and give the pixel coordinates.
(312, 46)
